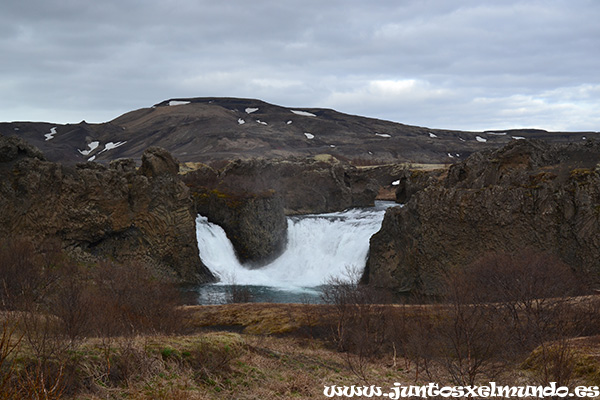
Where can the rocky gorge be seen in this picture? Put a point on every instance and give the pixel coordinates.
(247, 166)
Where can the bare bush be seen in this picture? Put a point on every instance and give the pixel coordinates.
(26, 274)
(236, 293)
(470, 337)
(521, 300)
(361, 322)
(531, 291)
(412, 332)
(130, 300)
(71, 302)
(10, 342)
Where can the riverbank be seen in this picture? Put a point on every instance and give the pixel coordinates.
(262, 350)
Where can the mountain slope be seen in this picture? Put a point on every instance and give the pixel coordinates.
(210, 129)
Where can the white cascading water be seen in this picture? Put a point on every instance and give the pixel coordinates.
(320, 246)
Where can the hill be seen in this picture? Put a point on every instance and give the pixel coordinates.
(213, 129)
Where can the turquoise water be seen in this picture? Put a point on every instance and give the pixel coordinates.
(223, 294)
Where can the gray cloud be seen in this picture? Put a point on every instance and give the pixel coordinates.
(461, 65)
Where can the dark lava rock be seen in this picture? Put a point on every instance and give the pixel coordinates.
(254, 222)
(528, 194)
(311, 185)
(102, 212)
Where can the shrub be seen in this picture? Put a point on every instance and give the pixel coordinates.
(130, 300)
(520, 301)
(26, 273)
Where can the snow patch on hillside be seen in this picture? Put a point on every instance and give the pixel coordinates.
(112, 145)
(51, 134)
(91, 147)
(178, 103)
(304, 113)
(250, 110)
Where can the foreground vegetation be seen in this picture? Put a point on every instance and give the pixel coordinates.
(111, 331)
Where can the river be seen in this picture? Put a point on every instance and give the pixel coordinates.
(320, 247)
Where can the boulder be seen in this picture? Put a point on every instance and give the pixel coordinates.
(12, 148)
(157, 161)
(254, 222)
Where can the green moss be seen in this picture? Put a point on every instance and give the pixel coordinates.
(540, 178)
(168, 352)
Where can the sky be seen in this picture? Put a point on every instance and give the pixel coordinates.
(461, 64)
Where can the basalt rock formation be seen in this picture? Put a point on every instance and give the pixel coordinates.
(527, 195)
(254, 222)
(310, 185)
(99, 211)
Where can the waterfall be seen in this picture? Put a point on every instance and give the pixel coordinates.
(320, 246)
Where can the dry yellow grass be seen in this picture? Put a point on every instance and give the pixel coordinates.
(221, 365)
(255, 318)
(271, 357)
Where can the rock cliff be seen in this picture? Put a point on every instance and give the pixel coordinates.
(529, 194)
(101, 211)
(254, 222)
(250, 199)
(308, 185)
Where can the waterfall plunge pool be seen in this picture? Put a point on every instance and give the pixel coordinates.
(319, 247)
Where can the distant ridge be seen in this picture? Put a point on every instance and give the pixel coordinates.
(208, 129)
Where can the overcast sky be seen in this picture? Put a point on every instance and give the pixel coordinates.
(470, 65)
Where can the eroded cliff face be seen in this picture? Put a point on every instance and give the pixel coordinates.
(525, 195)
(250, 199)
(254, 223)
(97, 212)
(311, 185)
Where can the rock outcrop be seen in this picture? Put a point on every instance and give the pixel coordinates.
(528, 194)
(250, 199)
(254, 222)
(311, 185)
(97, 211)
(398, 182)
